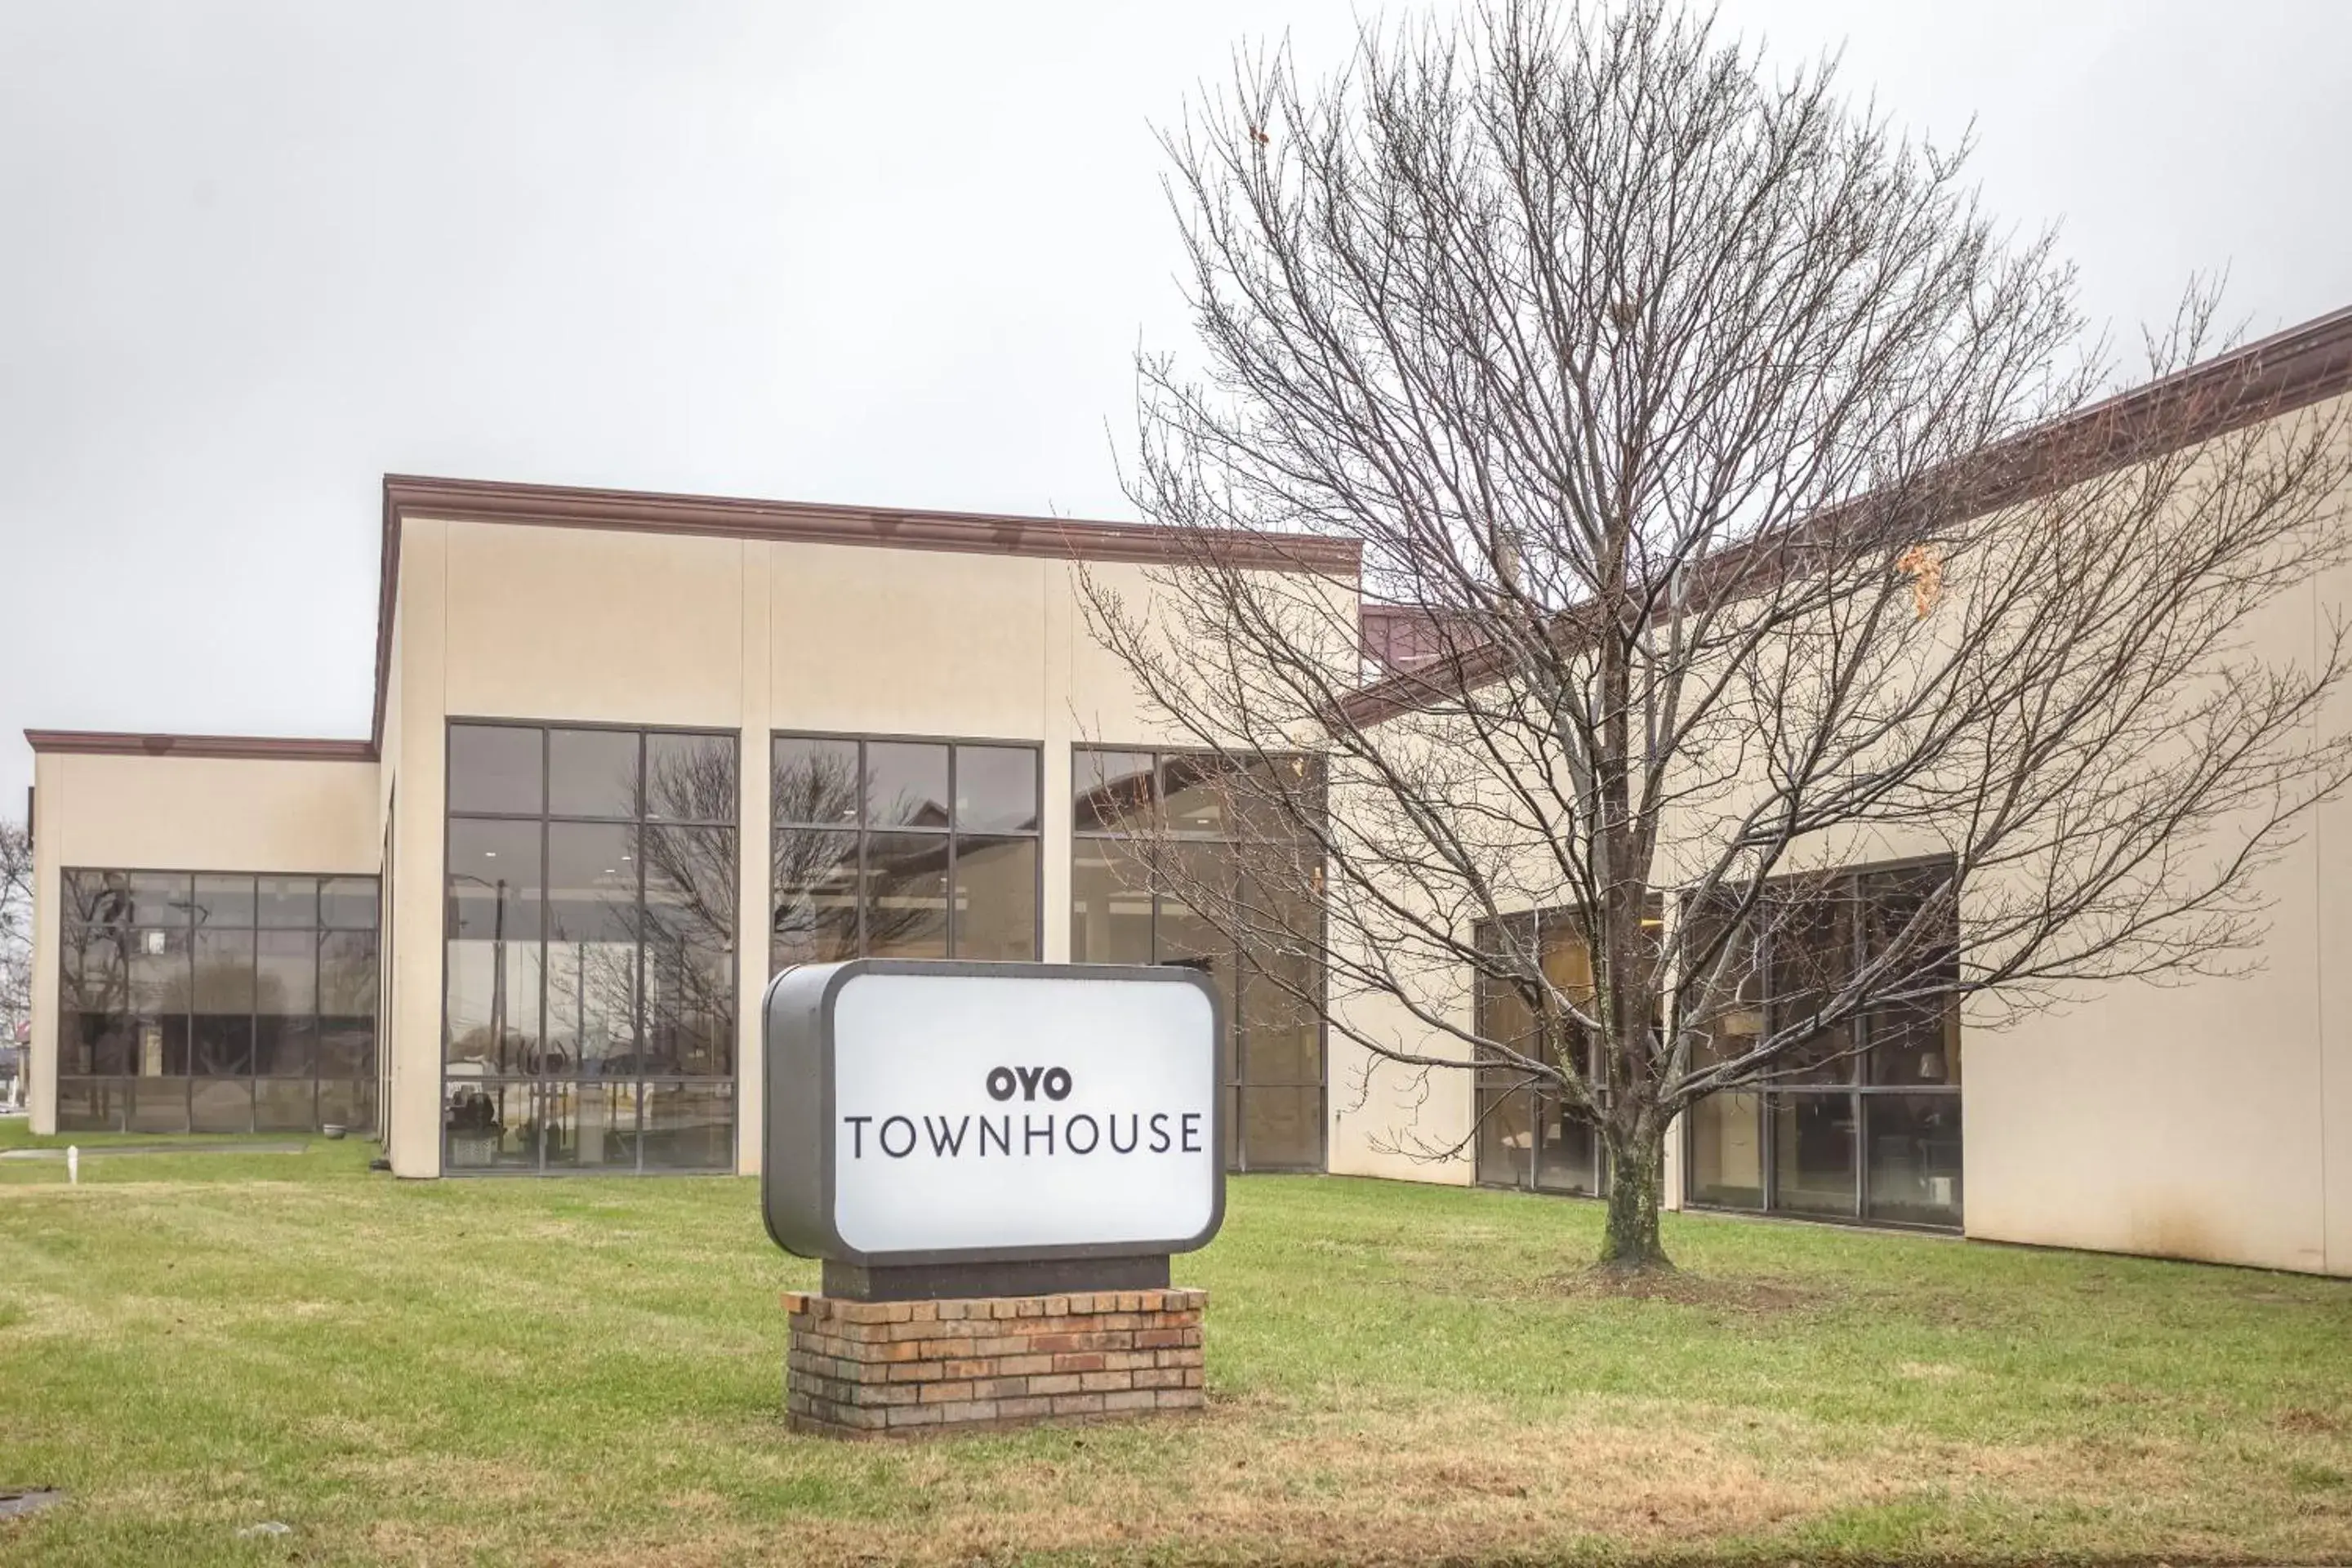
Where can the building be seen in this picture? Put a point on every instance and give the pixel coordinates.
(507, 927)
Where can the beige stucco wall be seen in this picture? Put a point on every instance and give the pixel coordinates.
(2326, 863)
(508, 621)
(181, 813)
(2204, 1117)
(412, 753)
(387, 802)
(1392, 1119)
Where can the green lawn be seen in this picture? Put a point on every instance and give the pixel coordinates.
(589, 1371)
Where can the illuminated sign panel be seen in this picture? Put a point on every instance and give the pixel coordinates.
(941, 1112)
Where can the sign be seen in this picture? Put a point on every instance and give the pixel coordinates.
(925, 1113)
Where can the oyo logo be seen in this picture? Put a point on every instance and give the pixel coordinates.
(1004, 1083)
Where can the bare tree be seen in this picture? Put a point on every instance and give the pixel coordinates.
(1753, 492)
(689, 924)
(15, 929)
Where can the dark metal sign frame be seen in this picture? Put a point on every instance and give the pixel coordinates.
(796, 1171)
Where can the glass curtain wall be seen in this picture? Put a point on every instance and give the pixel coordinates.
(894, 848)
(212, 1002)
(1527, 1136)
(1864, 1123)
(1134, 805)
(588, 1014)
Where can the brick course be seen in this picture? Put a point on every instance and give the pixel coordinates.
(863, 1369)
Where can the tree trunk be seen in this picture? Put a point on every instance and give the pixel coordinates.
(1637, 1180)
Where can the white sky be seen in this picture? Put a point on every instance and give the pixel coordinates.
(254, 255)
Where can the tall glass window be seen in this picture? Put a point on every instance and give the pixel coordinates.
(902, 849)
(1528, 1136)
(1131, 807)
(588, 1018)
(216, 1002)
(1865, 1122)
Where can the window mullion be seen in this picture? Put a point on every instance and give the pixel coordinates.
(953, 753)
(642, 920)
(857, 883)
(539, 1083)
(253, 1016)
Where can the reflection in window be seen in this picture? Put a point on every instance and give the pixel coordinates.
(223, 901)
(592, 773)
(1130, 806)
(905, 902)
(1918, 1043)
(216, 1002)
(816, 896)
(490, 1125)
(1814, 1154)
(222, 1011)
(491, 1023)
(1110, 902)
(1725, 1151)
(589, 940)
(1914, 1141)
(690, 972)
(688, 1126)
(993, 904)
(1808, 957)
(592, 947)
(902, 849)
(287, 1002)
(689, 777)
(1507, 1136)
(906, 784)
(347, 977)
(995, 789)
(1115, 790)
(1869, 1125)
(1528, 1136)
(1191, 800)
(498, 769)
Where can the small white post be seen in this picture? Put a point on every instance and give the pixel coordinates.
(73, 1164)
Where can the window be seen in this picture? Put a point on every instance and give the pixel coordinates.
(216, 1002)
(588, 1014)
(1134, 806)
(1864, 1122)
(1528, 1135)
(903, 849)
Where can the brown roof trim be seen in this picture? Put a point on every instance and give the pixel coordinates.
(805, 522)
(811, 522)
(2272, 376)
(2264, 380)
(249, 748)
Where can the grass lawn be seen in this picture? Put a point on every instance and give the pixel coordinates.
(589, 1371)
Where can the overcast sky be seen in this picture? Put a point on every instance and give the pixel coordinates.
(253, 256)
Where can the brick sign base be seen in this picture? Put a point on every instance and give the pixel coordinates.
(864, 1369)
